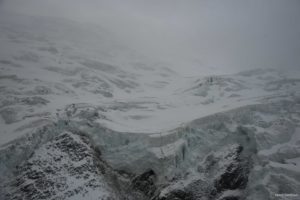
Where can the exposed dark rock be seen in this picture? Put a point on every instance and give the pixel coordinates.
(65, 167)
(145, 183)
(196, 190)
(230, 198)
(225, 170)
(69, 166)
(178, 195)
(235, 175)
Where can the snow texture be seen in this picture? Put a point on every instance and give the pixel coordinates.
(65, 98)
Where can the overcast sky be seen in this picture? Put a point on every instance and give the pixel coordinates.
(192, 34)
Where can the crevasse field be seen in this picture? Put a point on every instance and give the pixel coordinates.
(82, 116)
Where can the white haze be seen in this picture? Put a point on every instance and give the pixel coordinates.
(194, 36)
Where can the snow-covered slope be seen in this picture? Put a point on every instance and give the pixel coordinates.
(163, 135)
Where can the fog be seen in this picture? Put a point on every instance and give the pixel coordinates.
(193, 36)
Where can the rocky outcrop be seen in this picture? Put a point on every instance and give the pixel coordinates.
(223, 175)
(235, 173)
(145, 183)
(70, 167)
(65, 168)
(178, 195)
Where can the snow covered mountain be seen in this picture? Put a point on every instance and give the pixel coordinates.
(84, 117)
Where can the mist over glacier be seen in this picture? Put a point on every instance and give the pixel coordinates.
(196, 36)
(149, 100)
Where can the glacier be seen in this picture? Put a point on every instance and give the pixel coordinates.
(86, 120)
